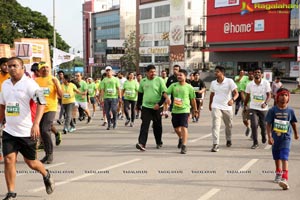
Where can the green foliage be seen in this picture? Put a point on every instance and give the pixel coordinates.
(21, 22)
(130, 60)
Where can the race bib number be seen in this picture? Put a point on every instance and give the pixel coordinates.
(196, 89)
(46, 91)
(110, 91)
(258, 99)
(178, 102)
(280, 126)
(13, 109)
(66, 95)
(129, 93)
(90, 91)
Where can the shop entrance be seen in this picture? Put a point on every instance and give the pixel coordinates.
(246, 65)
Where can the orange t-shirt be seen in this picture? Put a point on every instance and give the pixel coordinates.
(3, 78)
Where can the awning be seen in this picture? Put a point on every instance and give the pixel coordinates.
(246, 49)
(283, 56)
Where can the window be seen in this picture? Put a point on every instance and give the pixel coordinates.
(161, 43)
(188, 54)
(162, 27)
(146, 44)
(161, 59)
(146, 59)
(146, 28)
(162, 11)
(145, 13)
(189, 5)
(189, 21)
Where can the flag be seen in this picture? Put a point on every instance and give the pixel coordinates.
(60, 57)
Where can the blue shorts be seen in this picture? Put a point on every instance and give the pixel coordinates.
(281, 154)
(180, 120)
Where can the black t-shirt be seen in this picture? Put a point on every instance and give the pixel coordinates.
(198, 85)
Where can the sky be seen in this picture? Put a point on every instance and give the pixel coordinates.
(68, 18)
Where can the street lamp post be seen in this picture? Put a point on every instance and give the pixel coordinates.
(90, 41)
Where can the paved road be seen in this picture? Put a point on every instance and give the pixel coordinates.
(94, 163)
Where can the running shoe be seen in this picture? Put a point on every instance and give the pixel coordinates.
(183, 149)
(131, 124)
(10, 195)
(277, 178)
(49, 182)
(140, 147)
(72, 130)
(89, 120)
(254, 146)
(179, 143)
(264, 140)
(59, 122)
(58, 138)
(65, 131)
(284, 184)
(114, 125)
(127, 122)
(228, 143)
(215, 148)
(159, 146)
(104, 123)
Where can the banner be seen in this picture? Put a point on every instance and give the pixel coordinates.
(60, 57)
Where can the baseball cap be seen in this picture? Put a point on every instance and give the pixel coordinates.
(43, 64)
(108, 68)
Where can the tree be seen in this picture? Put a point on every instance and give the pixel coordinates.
(130, 60)
(21, 22)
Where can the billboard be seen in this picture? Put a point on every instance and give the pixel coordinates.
(248, 21)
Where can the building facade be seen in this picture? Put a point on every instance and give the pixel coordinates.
(171, 32)
(243, 34)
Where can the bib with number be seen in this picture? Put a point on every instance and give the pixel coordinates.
(178, 102)
(281, 126)
(66, 95)
(129, 93)
(46, 91)
(258, 99)
(196, 89)
(13, 109)
(110, 91)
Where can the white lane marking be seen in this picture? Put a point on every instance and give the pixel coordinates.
(48, 167)
(248, 165)
(268, 147)
(87, 175)
(203, 137)
(209, 194)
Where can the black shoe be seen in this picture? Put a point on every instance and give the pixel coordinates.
(215, 148)
(127, 122)
(58, 138)
(140, 147)
(48, 159)
(254, 146)
(228, 143)
(59, 122)
(49, 183)
(158, 146)
(264, 140)
(89, 120)
(183, 149)
(10, 195)
(179, 143)
(114, 125)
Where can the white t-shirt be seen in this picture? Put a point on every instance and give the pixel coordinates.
(223, 93)
(122, 81)
(18, 101)
(258, 94)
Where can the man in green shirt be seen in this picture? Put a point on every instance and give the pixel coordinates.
(240, 81)
(150, 97)
(184, 96)
(81, 98)
(92, 94)
(111, 94)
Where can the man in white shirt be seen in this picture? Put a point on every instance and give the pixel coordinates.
(220, 105)
(18, 105)
(259, 92)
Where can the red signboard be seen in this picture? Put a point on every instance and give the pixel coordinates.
(227, 24)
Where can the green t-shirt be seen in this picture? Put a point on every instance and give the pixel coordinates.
(165, 80)
(130, 90)
(83, 88)
(241, 85)
(182, 95)
(152, 90)
(91, 89)
(110, 86)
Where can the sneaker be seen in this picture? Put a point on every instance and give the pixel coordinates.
(58, 138)
(193, 119)
(215, 148)
(277, 178)
(183, 149)
(48, 159)
(104, 124)
(72, 130)
(10, 195)
(264, 140)
(108, 127)
(65, 131)
(284, 184)
(114, 125)
(140, 147)
(93, 115)
(49, 182)
(254, 146)
(179, 143)
(228, 143)
(127, 122)
(247, 132)
(89, 120)
(59, 122)
(158, 146)
(131, 124)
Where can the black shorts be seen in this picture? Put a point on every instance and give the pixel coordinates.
(92, 100)
(180, 120)
(25, 145)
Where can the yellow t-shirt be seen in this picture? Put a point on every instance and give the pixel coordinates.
(50, 92)
(68, 93)
(3, 78)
